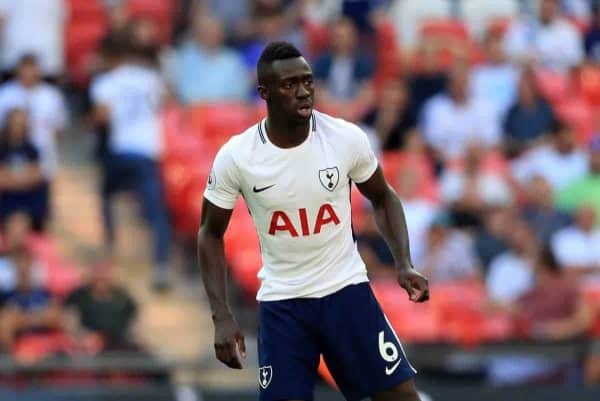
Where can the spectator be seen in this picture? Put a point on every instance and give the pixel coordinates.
(393, 118)
(204, 67)
(548, 40)
(104, 311)
(16, 231)
(452, 121)
(528, 119)
(561, 162)
(344, 73)
(539, 212)
(428, 80)
(586, 189)
(553, 309)
(269, 23)
(128, 98)
(496, 79)
(374, 250)
(592, 38)
(23, 187)
(29, 307)
(511, 273)
(419, 213)
(471, 189)
(34, 27)
(408, 15)
(577, 247)
(450, 253)
(480, 15)
(491, 238)
(45, 105)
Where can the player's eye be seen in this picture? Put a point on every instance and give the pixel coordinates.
(308, 81)
(287, 85)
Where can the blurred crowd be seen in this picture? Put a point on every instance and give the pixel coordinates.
(486, 116)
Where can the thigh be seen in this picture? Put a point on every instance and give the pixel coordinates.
(288, 351)
(362, 351)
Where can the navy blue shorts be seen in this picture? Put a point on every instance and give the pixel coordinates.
(348, 327)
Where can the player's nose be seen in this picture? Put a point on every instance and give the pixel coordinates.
(302, 92)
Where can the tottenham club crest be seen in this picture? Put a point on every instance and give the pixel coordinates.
(265, 374)
(329, 177)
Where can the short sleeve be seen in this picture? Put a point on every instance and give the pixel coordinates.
(364, 162)
(223, 185)
(100, 92)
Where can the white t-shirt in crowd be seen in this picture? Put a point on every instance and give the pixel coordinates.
(509, 277)
(37, 27)
(47, 114)
(299, 199)
(450, 127)
(496, 84)
(556, 46)
(492, 188)
(419, 214)
(574, 247)
(133, 94)
(558, 169)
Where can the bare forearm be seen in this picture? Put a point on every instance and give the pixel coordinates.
(390, 219)
(213, 267)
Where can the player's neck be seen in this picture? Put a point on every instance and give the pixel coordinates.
(284, 134)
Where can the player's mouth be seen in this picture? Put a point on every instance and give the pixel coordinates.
(305, 110)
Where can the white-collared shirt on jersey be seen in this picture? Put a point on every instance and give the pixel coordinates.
(299, 199)
(133, 94)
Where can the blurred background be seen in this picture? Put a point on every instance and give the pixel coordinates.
(486, 119)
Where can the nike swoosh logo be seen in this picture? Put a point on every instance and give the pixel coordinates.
(389, 371)
(257, 190)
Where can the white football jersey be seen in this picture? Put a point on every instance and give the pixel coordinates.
(299, 199)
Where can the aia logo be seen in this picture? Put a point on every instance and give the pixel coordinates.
(280, 221)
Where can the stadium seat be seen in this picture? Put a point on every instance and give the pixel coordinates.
(395, 163)
(591, 293)
(407, 16)
(588, 84)
(387, 54)
(553, 85)
(218, 122)
(576, 112)
(160, 12)
(317, 38)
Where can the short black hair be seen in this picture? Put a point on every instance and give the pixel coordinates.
(28, 59)
(273, 52)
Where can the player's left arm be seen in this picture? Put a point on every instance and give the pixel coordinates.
(390, 219)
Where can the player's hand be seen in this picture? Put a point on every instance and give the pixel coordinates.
(415, 284)
(229, 342)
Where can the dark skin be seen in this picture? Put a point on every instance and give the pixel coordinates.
(288, 90)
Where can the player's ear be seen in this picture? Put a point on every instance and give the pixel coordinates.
(263, 92)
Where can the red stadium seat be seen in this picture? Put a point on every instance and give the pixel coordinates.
(387, 54)
(576, 112)
(552, 85)
(218, 122)
(397, 163)
(450, 41)
(160, 12)
(588, 83)
(591, 293)
(317, 38)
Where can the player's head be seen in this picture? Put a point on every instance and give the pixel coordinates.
(28, 71)
(285, 81)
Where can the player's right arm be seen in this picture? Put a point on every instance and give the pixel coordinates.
(213, 265)
(222, 191)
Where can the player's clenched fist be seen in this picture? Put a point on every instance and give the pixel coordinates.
(415, 284)
(228, 341)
